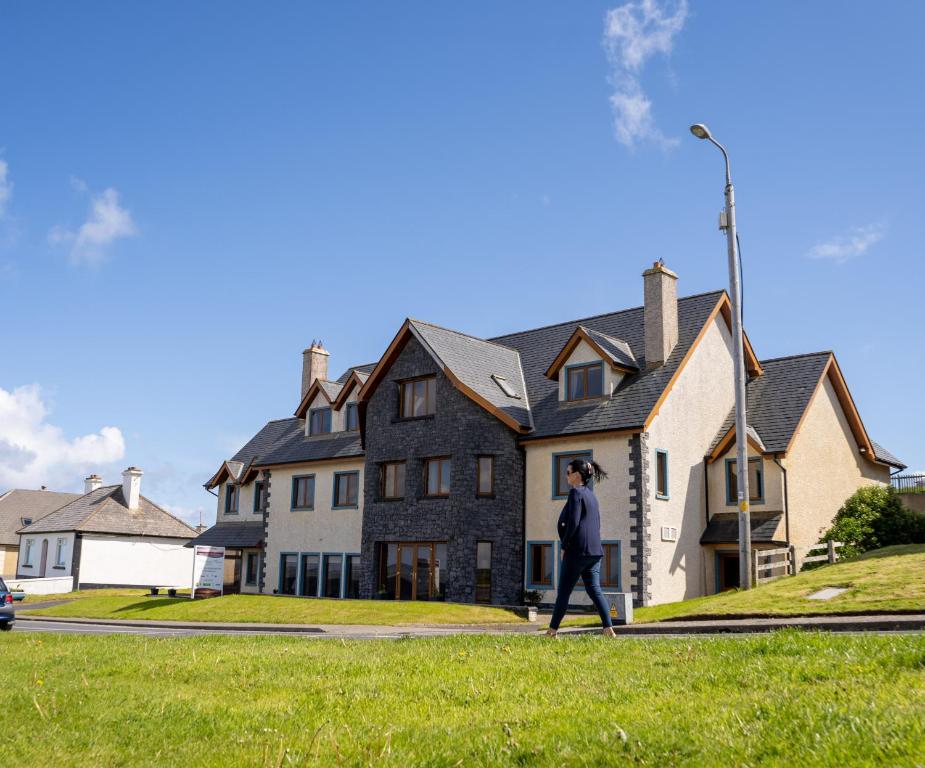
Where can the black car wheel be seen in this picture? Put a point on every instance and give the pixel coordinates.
(6, 626)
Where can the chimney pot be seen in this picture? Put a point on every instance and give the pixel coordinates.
(131, 487)
(660, 288)
(314, 365)
(92, 482)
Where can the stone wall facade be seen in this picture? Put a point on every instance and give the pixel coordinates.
(462, 430)
(641, 525)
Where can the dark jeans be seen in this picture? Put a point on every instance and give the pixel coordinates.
(589, 568)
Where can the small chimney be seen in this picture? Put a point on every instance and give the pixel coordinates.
(131, 486)
(660, 286)
(314, 365)
(92, 483)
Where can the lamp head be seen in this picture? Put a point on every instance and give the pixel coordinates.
(700, 131)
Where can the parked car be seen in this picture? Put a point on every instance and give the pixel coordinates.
(7, 612)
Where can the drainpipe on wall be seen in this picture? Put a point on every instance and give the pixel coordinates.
(786, 501)
(706, 489)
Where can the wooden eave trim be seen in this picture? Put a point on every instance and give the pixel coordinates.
(312, 462)
(385, 362)
(345, 391)
(577, 336)
(722, 448)
(313, 390)
(752, 364)
(479, 400)
(850, 409)
(602, 433)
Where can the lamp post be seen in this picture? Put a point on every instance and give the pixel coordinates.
(729, 225)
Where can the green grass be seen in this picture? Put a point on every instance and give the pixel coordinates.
(785, 699)
(888, 579)
(276, 610)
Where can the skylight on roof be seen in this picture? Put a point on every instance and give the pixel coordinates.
(505, 387)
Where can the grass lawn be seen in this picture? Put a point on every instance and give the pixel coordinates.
(275, 610)
(888, 579)
(785, 699)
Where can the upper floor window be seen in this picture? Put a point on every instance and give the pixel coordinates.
(486, 482)
(418, 397)
(539, 564)
(346, 489)
(437, 477)
(755, 481)
(319, 421)
(303, 492)
(351, 418)
(661, 474)
(393, 480)
(560, 462)
(231, 499)
(584, 381)
(260, 493)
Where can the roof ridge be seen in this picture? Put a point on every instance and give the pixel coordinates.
(582, 320)
(794, 357)
(467, 335)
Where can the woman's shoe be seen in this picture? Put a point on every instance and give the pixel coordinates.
(608, 632)
(552, 633)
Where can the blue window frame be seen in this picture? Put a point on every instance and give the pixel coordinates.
(288, 573)
(755, 481)
(351, 418)
(661, 474)
(332, 575)
(319, 421)
(352, 575)
(346, 490)
(232, 493)
(584, 381)
(560, 461)
(611, 568)
(540, 568)
(309, 574)
(260, 488)
(303, 492)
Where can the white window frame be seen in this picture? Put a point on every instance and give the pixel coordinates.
(27, 558)
(59, 551)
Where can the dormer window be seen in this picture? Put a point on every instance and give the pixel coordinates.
(319, 421)
(351, 418)
(418, 397)
(584, 382)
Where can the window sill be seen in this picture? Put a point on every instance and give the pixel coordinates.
(485, 496)
(433, 497)
(402, 419)
(25, 565)
(57, 567)
(301, 509)
(662, 497)
(390, 500)
(345, 506)
(541, 587)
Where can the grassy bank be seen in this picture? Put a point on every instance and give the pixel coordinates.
(785, 699)
(276, 610)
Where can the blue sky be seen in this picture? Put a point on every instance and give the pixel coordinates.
(191, 192)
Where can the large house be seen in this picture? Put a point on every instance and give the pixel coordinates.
(109, 536)
(438, 472)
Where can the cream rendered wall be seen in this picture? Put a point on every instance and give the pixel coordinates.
(583, 353)
(542, 511)
(773, 484)
(135, 561)
(824, 467)
(245, 504)
(321, 529)
(686, 424)
(246, 588)
(50, 568)
(338, 417)
(8, 557)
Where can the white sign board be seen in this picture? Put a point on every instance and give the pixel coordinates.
(208, 569)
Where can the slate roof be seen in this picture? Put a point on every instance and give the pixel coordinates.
(284, 442)
(473, 361)
(364, 370)
(886, 457)
(776, 400)
(331, 388)
(19, 504)
(235, 535)
(617, 349)
(638, 392)
(723, 528)
(104, 511)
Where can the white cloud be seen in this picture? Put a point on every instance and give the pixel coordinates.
(107, 222)
(35, 453)
(855, 242)
(6, 187)
(633, 33)
(191, 516)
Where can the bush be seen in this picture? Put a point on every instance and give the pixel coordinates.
(532, 597)
(874, 517)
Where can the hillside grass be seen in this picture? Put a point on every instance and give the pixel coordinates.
(270, 609)
(784, 699)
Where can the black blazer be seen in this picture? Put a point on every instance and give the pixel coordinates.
(580, 524)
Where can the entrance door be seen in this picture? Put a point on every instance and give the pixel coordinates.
(44, 561)
(410, 570)
(727, 565)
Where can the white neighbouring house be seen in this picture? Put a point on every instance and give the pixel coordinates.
(20, 507)
(111, 536)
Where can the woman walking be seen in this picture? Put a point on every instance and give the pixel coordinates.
(580, 537)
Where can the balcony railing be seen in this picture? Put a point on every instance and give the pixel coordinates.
(908, 483)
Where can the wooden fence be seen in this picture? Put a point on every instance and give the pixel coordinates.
(770, 564)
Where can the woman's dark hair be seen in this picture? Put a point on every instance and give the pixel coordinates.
(587, 468)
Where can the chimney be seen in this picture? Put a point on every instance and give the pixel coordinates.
(92, 483)
(660, 287)
(314, 365)
(131, 486)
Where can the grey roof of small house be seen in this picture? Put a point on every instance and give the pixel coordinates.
(284, 442)
(637, 393)
(777, 399)
(617, 350)
(723, 527)
(363, 370)
(104, 511)
(20, 504)
(474, 361)
(234, 535)
(886, 457)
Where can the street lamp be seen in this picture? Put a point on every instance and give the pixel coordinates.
(728, 223)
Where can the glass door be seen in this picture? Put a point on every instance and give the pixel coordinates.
(411, 570)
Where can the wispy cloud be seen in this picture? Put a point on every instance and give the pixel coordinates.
(107, 222)
(34, 452)
(855, 242)
(6, 187)
(633, 33)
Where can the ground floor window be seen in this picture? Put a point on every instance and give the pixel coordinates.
(252, 565)
(610, 566)
(539, 565)
(414, 570)
(333, 568)
(309, 580)
(483, 572)
(288, 574)
(352, 577)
